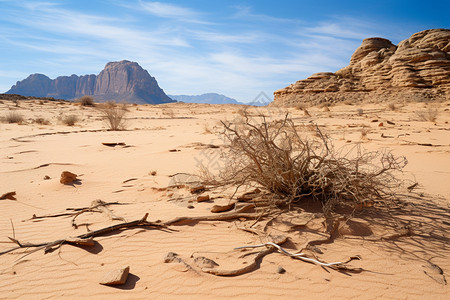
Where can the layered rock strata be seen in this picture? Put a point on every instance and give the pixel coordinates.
(418, 68)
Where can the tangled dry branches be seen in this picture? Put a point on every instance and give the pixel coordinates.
(114, 115)
(279, 157)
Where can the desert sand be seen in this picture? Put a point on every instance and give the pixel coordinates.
(405, 255)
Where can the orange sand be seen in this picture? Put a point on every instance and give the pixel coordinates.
(393, 268)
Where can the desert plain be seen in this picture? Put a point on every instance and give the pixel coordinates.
(151, 167)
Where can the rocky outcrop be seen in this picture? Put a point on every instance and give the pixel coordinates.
(119, 81)
(418, 68)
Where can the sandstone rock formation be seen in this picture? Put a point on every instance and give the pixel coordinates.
(119, 81)
(417, 69)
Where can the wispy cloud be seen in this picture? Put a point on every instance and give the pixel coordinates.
(245, 12)
(224, 38)
(167, 10)
(172, 11)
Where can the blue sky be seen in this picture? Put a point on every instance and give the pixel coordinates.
(235, 48)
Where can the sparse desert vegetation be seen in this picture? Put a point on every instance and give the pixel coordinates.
(429, 114)
(392, 106)
(86, 101)
(41, 121)
(14, 117)
(70, 120)
(360, 111)
(113, 115)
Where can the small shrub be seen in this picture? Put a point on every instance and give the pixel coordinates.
(392, 106)
(87, 101)
(114, 115)
(41, 121)
(429, 114)
(14, 117)
(360, 111)
(207, 129)
(168, 112)
(70, 120)
(364, 133)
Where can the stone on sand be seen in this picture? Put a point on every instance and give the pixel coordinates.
(116, 277)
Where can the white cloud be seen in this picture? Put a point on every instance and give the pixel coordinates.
(245, 13)
(172, 11)
(219, 37)
(167, 10)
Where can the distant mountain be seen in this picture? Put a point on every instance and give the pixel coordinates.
(118, 81)
(210, 98)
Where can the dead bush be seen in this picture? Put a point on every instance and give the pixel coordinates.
(364, 133)
(14, 117)
(114, 115)
(41, 121)
(429, 114)
(168, 112)
(86, 101)
(392, 106)
(207, 129)
(274, 156)
(70, 120)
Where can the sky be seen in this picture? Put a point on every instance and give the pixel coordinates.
(235, 48)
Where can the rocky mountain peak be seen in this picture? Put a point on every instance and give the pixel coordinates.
(119, 81)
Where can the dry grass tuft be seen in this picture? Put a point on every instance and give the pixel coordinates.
(392, 106)
(114, 115)
(41, 121)
(168, 112)
(14, 117)
(70, 120)
(295, 168)
(86, 101)
(429, 114)
(364, 133)
(207, 129)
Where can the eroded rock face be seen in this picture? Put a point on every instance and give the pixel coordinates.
(119, 81)
(128, 81)
(418, 68)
